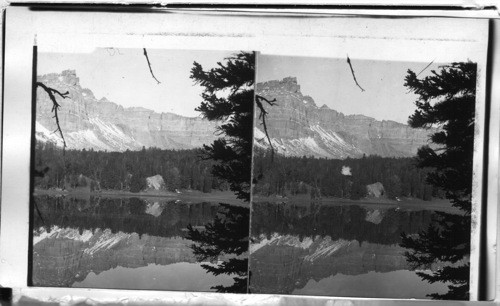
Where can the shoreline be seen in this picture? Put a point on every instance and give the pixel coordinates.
(186, 196)
(229, 198)
(443, 205)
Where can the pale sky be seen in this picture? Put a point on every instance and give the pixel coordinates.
(329, 81)
(123, 76)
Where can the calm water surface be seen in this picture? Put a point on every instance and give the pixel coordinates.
(123, 243)
(335, 250)
(183, 276)
(131, 243)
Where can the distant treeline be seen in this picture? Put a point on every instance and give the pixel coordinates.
(346, 178)
(185, 169)
(97, 170)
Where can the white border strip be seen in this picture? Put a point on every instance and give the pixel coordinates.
(478, 4)
(362, 38)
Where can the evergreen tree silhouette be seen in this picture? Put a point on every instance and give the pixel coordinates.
(228, 98)
(446, 100)
(225, 237)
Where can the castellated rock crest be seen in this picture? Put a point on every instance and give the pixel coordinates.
(103, 125)
(298, 127)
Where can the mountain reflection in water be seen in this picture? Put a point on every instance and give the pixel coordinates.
(96, 242)
(320, 250)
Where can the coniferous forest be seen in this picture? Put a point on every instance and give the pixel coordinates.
(187, 170)
(100, 170)
(346, 178)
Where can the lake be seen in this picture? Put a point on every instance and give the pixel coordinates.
(157, 244)
(335, 250)
(125, 243)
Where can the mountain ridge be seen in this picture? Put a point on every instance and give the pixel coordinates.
(89, 123)
(297, 127)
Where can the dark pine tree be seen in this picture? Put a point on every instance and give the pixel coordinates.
(226, 235)
(137, 183)
(446, 100)
(228, 98)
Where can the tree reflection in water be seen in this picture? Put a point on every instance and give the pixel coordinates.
(228, 97)
(224, 242)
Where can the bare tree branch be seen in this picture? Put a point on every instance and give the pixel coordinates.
(149, 65)
(263, 114)
(353, 75)
(55, 106)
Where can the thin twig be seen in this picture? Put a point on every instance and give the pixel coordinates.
(55, 106)
(262, 116)
(149, 65)
(426, 67)
(409, 90)
(353, 75)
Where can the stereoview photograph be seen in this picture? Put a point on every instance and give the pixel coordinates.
(362, 177)
(141, 172)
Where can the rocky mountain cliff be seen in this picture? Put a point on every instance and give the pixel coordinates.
(297, 127)
(103, 125)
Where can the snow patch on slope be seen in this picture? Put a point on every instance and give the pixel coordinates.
(317, 248)
(42, 134)
(82, 139)
(326, 248)
(57, 232)
(258, 134)
(114, 135)
(332, 139)
(263, 241)
(323, 143)
(106, 241)
(277, 239)
(100, 136)
(298, 147)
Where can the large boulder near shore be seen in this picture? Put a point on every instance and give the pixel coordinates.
(155, 182)
(375, 190)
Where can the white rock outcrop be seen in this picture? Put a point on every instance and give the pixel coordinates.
(375, 190)
(155, 182)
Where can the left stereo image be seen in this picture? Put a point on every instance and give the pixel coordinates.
(141, 169)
